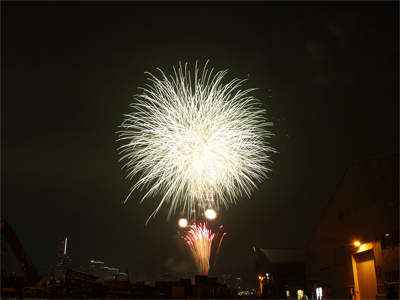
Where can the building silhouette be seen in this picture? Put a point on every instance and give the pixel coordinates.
(96, 268)
(238, 284)
(163, 274)
(227, 280)
(204, 288)
(64, 256)
(280, 272)
(353, 250)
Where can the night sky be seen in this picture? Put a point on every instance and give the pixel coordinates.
(327, 73)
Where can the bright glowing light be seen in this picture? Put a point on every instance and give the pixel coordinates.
(357, 244)
(362, 247)
(199, 239)
(210, 214)
(195, 139)
(182, 222)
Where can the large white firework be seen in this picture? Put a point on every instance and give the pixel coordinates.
(195, 140)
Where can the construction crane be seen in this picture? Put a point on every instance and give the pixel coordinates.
(30, 271)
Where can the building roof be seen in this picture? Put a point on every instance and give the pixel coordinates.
(284, 255)
(361, 164)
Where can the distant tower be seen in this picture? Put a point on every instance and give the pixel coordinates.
(227, 280)
(163, 275)
(238, 284)
(64, 256)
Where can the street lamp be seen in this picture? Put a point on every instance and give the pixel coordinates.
(261, 278)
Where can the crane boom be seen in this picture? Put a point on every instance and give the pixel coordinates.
(30, 271)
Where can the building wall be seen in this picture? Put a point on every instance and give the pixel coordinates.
(282, 276)
(363, 207)
(289, 276)
(262, 266)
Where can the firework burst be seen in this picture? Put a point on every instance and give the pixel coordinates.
(200, 239)
(195, 140)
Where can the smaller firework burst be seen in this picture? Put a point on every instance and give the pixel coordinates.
(200, 239)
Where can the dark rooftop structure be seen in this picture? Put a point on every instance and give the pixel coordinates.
(284, 255)
(280, 273)
(354, 247)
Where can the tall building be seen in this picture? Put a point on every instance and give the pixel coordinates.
(162, 274)
(227, 280)
(64, 256)
(95, 266)
(238, 284)
(109, 273)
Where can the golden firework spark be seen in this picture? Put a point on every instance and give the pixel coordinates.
(199, 239)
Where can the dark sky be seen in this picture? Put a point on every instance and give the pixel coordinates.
(327, 73)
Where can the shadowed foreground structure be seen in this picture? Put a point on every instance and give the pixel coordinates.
(364, 208)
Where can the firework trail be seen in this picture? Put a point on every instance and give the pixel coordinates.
(195, 140)
(219, 245)
(220, 227)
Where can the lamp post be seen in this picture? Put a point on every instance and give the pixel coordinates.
(261, 278)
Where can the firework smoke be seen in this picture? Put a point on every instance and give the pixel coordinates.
(195, 140)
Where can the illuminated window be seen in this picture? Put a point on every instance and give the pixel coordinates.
(319, 293)
(300, 294)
